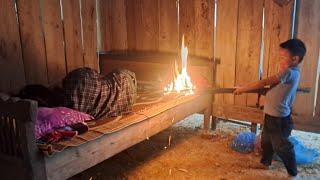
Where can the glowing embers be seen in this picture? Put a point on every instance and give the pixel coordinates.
(182, 81)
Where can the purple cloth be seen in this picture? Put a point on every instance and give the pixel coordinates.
(49, 119)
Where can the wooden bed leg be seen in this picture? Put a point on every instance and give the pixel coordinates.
(254, 127)
(207, 119)
(214, 122)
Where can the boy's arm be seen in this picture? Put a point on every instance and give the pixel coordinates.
(272, 80)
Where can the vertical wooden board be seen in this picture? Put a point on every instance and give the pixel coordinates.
(248, 47)
(32, 42)
(118, 25)
(54, 41)
(168, 33)
(104, 22)
(277, 29)
(317, 112)
(89, 26)
(72, 32)
(308, 31)
(225, 48)
(132, 21)
(147, 25)
(12, 75)
(204, 25)
(187, 24)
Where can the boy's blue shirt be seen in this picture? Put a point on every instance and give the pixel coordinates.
(280, 97)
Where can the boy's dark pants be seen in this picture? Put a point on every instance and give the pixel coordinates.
(274, 139)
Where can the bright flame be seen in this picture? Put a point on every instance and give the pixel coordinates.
(183, 81)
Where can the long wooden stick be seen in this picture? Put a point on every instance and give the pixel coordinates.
(259, 91)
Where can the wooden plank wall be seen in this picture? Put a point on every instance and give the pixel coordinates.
(152, 25)
(239, 39)
(32, 41)
(43, 40)
(308, 30)
(248, 47)
(12, 75)
(225, 47)
(54, 40)
(39, 46)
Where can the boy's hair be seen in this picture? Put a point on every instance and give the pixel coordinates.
(296, 47)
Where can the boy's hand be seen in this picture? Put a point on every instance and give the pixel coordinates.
(239, 90)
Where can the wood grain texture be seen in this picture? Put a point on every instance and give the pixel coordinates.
(308, 30)
(225, 48)
(17, 124)
(204, 25)
(32, 42)
(317, 112)
(147, 25)
(131, 7)
(277, 29)
(187, 24)
(72, 32)
(168, 25)
(236, 112)
(89, 26)
(54, 40)
(12, 76)
(248, 47)
(104, 22)
(118, 25)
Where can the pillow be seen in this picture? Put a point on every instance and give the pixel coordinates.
(49, 119)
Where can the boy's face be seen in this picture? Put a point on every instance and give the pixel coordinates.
(286, 59)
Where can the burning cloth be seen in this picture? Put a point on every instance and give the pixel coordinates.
(100, 96)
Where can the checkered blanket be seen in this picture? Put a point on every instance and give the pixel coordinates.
(100, 96)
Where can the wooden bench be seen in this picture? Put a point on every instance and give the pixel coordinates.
(19, 152)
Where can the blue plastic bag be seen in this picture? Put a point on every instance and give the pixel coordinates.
(244, 142)
(303, 154)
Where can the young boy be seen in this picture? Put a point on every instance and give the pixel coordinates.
(277, 123)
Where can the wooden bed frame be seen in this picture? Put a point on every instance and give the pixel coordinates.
(19, 152)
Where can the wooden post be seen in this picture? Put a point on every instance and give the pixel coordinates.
(254, 127)
(214, 122)
(207, 118)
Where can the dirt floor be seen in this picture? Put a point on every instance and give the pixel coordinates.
(189, 155)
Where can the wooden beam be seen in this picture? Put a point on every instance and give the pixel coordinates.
(152, 57)
(235, 112)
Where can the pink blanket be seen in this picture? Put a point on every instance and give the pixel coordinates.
(49, 119)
